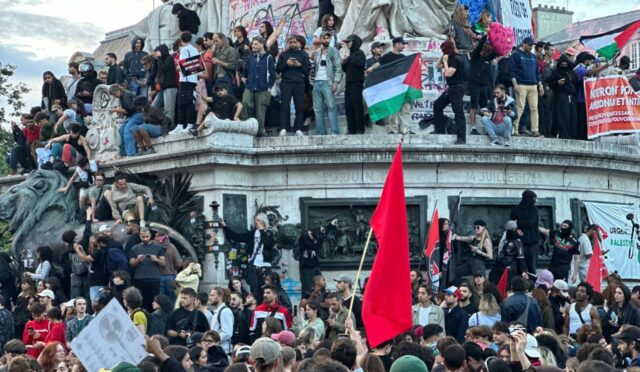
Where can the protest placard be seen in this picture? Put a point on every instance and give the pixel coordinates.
(191, 65)
(109, 339)
(612, 106)
(517, 15)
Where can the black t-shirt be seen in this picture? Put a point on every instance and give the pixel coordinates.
(390, 57)
(470, 309)
(184, 320)
(563, 250)
(98, 275)
(457, 78)
(224, 107)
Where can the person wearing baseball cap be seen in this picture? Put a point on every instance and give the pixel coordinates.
(344, 286)
(46, 298)
(353, 66)
(527, 84)
(456, 320)
(328, 75)
(285, 338)
(264, 354)
(629, 345)
(293, 66)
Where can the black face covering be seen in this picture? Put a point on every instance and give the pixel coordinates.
(512, 234)
(566, 232)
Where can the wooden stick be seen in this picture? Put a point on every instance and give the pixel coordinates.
(364, 253)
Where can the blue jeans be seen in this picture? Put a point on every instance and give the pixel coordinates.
(128, 145)
(152, 130)
(493, 130)
(94, 292)
(166, 288)
(323, 96)
(137, 89)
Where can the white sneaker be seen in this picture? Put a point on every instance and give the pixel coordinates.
(189, 127)
(299, 133)
(143, 223)
(283, 132)
(178, 129)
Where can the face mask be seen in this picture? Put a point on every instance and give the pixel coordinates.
(512, 234)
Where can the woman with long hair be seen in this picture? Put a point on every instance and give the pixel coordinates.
(57, 328)
(198, 356)
(270, 326)
(162, 308)
(53, 92)
(548, 319)
(235, 285)
(488, 312)
(329, 24)
(51, 356)
(481, 248)
(181, 354)
(25, 298)
(371, 363)
(452, 69)
(620, 312)
(312, 320)
(45, 259)
(271, 36)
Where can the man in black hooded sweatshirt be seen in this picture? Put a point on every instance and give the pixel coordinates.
(526, 215)
(132, 66)
(353, 67)
(188, 19)
(564, 246)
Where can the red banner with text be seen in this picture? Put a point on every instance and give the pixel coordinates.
(613, 107)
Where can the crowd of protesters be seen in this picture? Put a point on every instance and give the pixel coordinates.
(472, 323)
(535, 90)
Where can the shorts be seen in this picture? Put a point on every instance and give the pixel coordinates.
(478, 95)
(84, 193)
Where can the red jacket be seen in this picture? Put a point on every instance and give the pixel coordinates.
(41, 327)
(57, 333)
(264, 311)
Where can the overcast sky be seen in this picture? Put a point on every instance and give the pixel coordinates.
(40, 35)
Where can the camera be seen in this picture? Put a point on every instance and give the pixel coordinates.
(513, 329)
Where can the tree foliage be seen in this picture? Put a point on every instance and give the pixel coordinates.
(11, 95)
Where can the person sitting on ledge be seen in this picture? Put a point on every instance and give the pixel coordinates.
(154, 124)
(224, 106)
(67, 148)
(125, 200)
(133, 118)
(499, 115)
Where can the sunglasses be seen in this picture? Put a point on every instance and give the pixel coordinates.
(477, 227)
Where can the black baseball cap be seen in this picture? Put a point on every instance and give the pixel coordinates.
(399, 39)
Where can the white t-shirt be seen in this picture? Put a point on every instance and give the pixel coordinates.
(321, 71)
(258, 260)
(71, 118)
(83, 175)
(423, 315)
(186, 52)
(585, 249)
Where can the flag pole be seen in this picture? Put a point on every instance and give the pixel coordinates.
(422, 256)
(364, 254)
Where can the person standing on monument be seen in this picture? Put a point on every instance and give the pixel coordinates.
(328, 74)
(526, 216)
(186, 117)
(259, 244)
(72, 83)
(353, 67)
(115, 74)
(166, 78)
(258, 76)
(293, 65)
(133, 69)
(188, 19)
(224, 61)
(527, 84)
(452, 69)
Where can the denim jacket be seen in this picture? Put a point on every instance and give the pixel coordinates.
(334, 65)
(260, 72)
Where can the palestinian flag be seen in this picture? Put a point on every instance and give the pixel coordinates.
(393, 84)
(610, 43)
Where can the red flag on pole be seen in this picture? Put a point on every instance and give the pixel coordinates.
(597, 270)
(433, 251)
(502, 283)
(386, 307)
